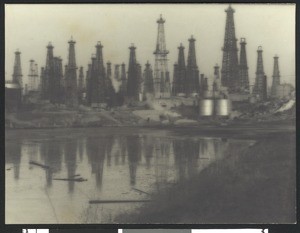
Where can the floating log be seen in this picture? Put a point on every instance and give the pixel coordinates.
(71, 179)
(75, 175)
(38, 164)
(141, 191)
(116, 201)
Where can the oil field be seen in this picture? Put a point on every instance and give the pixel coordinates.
(107, 136)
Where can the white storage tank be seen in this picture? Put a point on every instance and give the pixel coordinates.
(206, 107)
(222, 107)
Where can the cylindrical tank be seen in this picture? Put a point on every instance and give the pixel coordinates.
(206, 107)
(222, 107)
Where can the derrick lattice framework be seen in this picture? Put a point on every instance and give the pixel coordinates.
(47, 74)
(97, 78)
(17, 75)
(123, 87)
(109, 89)
(276, 77)
(230, 66)
(260, 86)
(161, 74)
(81, 86)
(244, 78)
(55, 83)
(179, 79)
(148, 80)
(117, 73)
(192, 72)
(134, 76)
(71, 77)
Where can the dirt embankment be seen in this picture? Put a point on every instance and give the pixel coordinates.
(50, 116)
(254, 185)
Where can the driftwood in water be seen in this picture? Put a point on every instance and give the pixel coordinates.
(38, 164)
(71, 179)
(140, 191)
(115, 201)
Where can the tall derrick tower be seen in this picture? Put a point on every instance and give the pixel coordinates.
(161, 73)
(94, 92)
(276, 77)
(87, 83)
(55, 84)
(71, 77)
(110, 92)
(148, 80)
(80, 84)
(260, 86)
(99, 74)
(192, 72)
(17, 74)
(179, 80)
(117, 73)
(244, 78)
(48, 72)
(42, 82)
(230, 67)
(33, 76)
(133, 81)
(123, 87)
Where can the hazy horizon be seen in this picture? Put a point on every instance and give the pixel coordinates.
(30, 27)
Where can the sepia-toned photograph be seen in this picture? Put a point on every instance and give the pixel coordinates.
(150, 114)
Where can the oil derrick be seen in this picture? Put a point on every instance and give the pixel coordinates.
(94, 92)
(117, 73)
(179, 80)
(140, 80)
(87, 83)
(98, 77)
(161, 73)
(71, 94)
(110, 92)
(17, 75)
(42, 82)
(81, 88)
(276, 77)
(55, 84)
(48, 73)
(32, 76)
(230, 67)
(123, 87)
(260, 86)
(244, 78)
(148, 81)
(192, 72)
(133, 81)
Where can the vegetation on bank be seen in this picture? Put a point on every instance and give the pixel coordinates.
(253, 185)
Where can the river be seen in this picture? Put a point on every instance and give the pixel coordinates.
(109, 163)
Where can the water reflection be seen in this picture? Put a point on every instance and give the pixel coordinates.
(119, 162)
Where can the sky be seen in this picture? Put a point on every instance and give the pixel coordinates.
(30, 27)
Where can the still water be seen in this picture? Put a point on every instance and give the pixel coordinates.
(114, 164)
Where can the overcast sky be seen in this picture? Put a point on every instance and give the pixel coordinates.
(29, 28)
